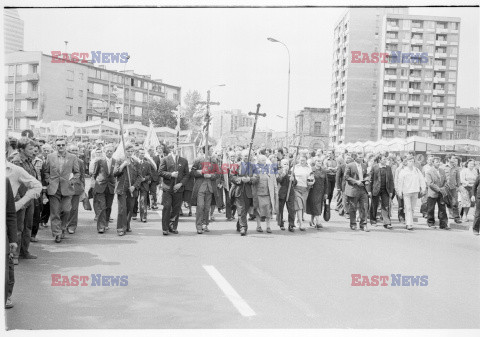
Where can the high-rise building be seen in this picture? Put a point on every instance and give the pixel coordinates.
(41, 90)
(13, 30)
(409, 92)
(227, 121)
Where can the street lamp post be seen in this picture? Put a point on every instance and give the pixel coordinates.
(288, 90)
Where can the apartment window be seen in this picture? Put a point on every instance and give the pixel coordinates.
(426, 122)
(417, 24)
(427, 85)
(390, 84)
(34, 87)
(438, 99)
(453, 38)
(391, 71)
(438, 86)
(452, 75)
(34, 68)
(453, 63)
(79, 110)
(472, 122)
(18, 88)
(317, 130)
(69, 110)
(11, 70)
(437, 135)
(449, 124)
(392, 22)
(437, 123)
(80, 76)
(388, 120)
(391, 47)
(402, 109)
(414, 109)
(442, 25)
(69, 92)
(390, 96)
(9, 123)
(415, 73)
(417, 36)
(441, 37)
(412, 133)
(454, 25)
(392, 35)
(402, 121)
(403, 72)
(440, 62)
(450, 111)
(428, 73)
(429, 24)
(438, 111)
(439, 74)
(414, 97)
(453, 50)
(18, 105)
(429, 48)
(451, 99)
(104, 75)
(19, 71)
(175, 97)
(412, 121)
(70, 75)
(33, 105)
(414, 85)
(458, 122)
(387, 133)
(80, 93)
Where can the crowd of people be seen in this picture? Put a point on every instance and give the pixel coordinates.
(47, 181)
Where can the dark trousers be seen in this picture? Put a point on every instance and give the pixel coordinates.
(72, 221)
(60, 206)
(102, 203)
(401, 209)
(442, 212)
(9, 276)
(385, 203)
(204, 201)
(45, 211)
(243, 203)
(361, 200)
(172, 203)
(454, 209)
(37, 212)
(476, 218)
(230, 207)
(142, 203)
(331, 188)
(135, 207)
(153, 193)
(24, 228)
(290, 210)
(126, 203)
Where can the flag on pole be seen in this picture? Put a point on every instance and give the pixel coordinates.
(119, 153)
(151, 141)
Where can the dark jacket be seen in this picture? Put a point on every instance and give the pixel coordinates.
(146, 172)
(155, 171)
(200, 164)
(123, 183)
(476, 189)
(79, 184)
(26, 163)
(340, 178)
(352, 174)
(375, 180)
(11, 217)
(283, 182)
(102, 177)
(167, 166)
(241, 187)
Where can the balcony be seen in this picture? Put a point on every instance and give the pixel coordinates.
(439, 92)
(388, 113)
(32, 95)
(391, 65)
(453, 55)
(389, 40)
(454, 31)
(417, 41)
(412, 127)
(452, 79)
(405, 41)
(430, 42)
(392, 28)
(453, 43)
(428, 79)
(440, 55)
(451, 105)
(413, 115)
(451, 92)
(388, 126)
(450, 116)
(415, 66)
(439, 67)
(440, 43)
(417, 29)
(441, 30)
(405, 65)
(448, 129)
(453, 68)
(437, 117)
(389, 101)
(436, 129)
(31, 77)
(414, 91)
(427, 91)
(389, 89)
(413, 103)
(402, 114)
(403, 90)
(438, 104)
(402, 102)
(425, 103)
(438, 79)
(415, 78)
(390, 77)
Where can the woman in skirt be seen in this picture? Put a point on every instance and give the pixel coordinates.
(468, 176)
(302, 174)
(318, 194)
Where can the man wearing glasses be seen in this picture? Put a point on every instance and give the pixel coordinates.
(61, 172)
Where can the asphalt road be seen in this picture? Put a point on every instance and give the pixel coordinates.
(222, 280)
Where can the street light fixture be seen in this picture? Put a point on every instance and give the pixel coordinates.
(271, 39)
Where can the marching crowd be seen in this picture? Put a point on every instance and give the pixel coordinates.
(46, 183)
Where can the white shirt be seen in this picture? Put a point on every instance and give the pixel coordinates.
(18, 176)
(360, 170)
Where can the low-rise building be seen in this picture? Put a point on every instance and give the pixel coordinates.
(467, 123)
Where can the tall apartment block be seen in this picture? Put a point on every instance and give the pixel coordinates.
(403, 97)
(39, 90)
(13, 30)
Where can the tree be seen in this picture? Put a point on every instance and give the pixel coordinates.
(160, 113)
(194, 111)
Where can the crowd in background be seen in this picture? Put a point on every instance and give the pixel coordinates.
(48, 181)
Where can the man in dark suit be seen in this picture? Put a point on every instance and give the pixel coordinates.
(356, 191)
(382, 187)
(243, 179)
(61, 172)
(10, 243)
(146, 173)
(155, 178)
(283, 178)
(79, 191)
(174, 171)
(205, 187)
(436, 181)
(128, 181)
(340, 183)
(476, 198)
(103, 184)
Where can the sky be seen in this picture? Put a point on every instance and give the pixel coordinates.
(200, 48)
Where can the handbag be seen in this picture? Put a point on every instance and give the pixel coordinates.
(86, 204)
(326, 211)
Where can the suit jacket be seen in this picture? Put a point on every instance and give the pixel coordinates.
(55, 178)
(283, 181)
(102, 178)
(155, 171)
(146, 169)
(435, 180)
(352, 174)
(201, 181)
(123, 182)
(265, 184)
(340, 178)
(476, 189)
(11, 217)
(375, 180)
(241, 187)
(79, 184)
(167, 166)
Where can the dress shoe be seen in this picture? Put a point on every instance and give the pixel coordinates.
(175, 231)
(318, 226)
(230, 219)
(199, 231)
(165, 232)
(107, 228)
(212, 218)
(190, 213)
(110, 220)
(33, 239)
(458, 221)
(121, 233)
(251, 217)
(388, 226)
(28, 256)
(362, 227)
(367, 227)
(259, 229)
(303, 229)
(15, 261)
(45, 224)
(374, 223)
(243, 232)
(134, 218)
(144, 220)
(71, 231)
(205, 228)
(446, 228)
(101, 231)
(353, 227)
(8, 303)
(58, 239)
(269, 230)
(410, 228)
(63, 235)
(129, 230)
(291, 228)
(282, 228)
